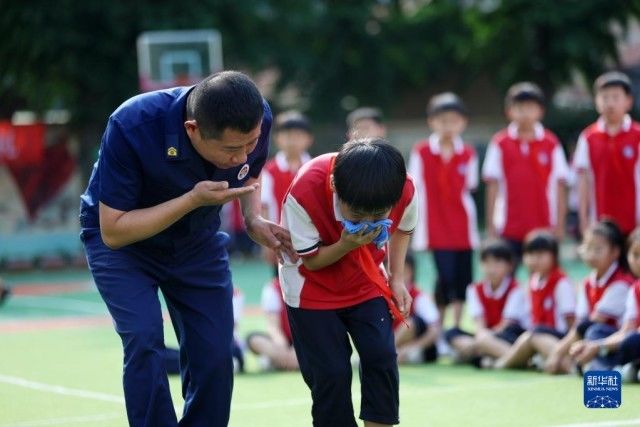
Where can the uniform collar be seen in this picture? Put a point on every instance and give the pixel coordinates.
(177, 145)
(434, 144)
(605, 277)
(283, 165)
(498, 293)
(626, 124)
(538, 131)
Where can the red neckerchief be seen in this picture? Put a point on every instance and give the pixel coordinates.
(363, 255)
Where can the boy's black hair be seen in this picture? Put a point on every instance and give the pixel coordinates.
(613, 79)
(369, 175)
(541, 241)
(498, 249)
(292, 119)
(364, 113)
(524, 91)
(443, 102)
(225, 100)
(609, 230)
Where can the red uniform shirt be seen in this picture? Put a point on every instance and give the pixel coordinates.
(276, 179)
(612, 162)
(493, 307)
(528, 174)
(605, 296)
(444, 189)
(312, 215)
(552, 300)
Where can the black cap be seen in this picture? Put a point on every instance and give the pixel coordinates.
(292, 119)
(525, 91)
(613, 78)
(443, 102)
(364, 113)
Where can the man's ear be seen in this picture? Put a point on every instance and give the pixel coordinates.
(332, 184)
(191, 126)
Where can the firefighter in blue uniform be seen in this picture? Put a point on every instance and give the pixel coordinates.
(149, 221)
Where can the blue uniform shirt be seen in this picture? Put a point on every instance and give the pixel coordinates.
(146, 158)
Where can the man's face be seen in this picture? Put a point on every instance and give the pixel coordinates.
(367, 128)
(229, 150)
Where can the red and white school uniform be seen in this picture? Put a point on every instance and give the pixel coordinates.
(551, 301)
(277, 176)
(632, 306)
(508, 301)
(613, 166)
(528, 174)
(605, 296)
(312, 215)
(444, 190)
(273, 303)
(422, 306)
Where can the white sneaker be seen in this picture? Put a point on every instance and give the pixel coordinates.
(628, 372)
(444, 349)
(264, 363)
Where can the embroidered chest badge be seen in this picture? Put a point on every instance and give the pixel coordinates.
(243, 172)
(172, 152)
(543, 158)
(627, 151)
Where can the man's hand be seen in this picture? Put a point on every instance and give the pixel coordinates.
(401, 297)
(353, 241)
(207, 193)
(272, 236)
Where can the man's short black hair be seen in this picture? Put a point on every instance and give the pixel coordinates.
(369, 175)
(613, 79)
(225, 100)
(498, 249)
(524, 91)
(364, 113)
(541, 241)
(443, 102)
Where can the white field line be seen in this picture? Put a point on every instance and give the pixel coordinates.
(611, 423)
(60, 304)
(58, 389)
(65, 421)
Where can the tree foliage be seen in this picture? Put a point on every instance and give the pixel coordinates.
(81, 55)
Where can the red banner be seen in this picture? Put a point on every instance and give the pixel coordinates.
(21, 145)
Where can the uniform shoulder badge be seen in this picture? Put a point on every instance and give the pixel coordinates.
(172, 152)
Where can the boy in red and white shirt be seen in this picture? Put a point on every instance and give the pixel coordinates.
(417, 343)
(445, 171)
(551, 298)
(607, 158)
(525, 170)
(342, 210)
(292, 136)
(275, 347)
(497, 306)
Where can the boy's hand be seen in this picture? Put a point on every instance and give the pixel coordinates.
(401, 297)
(583, 351)
(353, 241)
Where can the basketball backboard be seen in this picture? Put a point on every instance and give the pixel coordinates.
(177, 58)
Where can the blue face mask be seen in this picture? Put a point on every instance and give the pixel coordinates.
(368, 226)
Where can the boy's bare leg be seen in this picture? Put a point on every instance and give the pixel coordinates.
(282, 357)
(404, 335)
(488, 344)
(456, 308)
(543, 343)
(465, 346)
(518, 354)
(372, 424)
